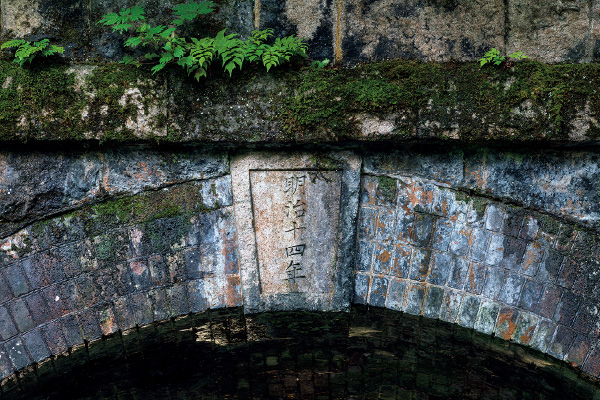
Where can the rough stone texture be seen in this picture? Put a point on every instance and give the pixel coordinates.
(505, 269)
(259, 228)
(556, 182)
(550, 31)
(36, 184)
(553, 31)
(428, 30)
(122, 256)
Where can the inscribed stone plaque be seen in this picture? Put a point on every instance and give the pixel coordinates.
(296, 218)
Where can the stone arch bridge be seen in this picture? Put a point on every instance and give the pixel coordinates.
(96, 242)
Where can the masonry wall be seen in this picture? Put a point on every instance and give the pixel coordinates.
(503, 242)
(503, 257)
(350, 31)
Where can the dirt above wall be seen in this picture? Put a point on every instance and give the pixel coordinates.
(397, 100)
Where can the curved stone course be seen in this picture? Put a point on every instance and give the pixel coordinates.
(485, 239)
(430, 250)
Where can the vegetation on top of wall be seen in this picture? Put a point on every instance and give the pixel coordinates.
(196, 55)
(530, 101)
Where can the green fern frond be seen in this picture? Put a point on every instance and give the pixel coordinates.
(191, 10)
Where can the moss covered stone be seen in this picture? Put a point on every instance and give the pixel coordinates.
(393, 100)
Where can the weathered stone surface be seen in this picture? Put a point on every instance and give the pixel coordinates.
(37, 184)
(296, 256)
(429, 30)
(550, 31)
(312, 20)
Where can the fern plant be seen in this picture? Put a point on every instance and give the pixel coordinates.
(26, 51)
(196, 55)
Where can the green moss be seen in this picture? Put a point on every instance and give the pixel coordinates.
(43, 102)
(548, 224)
(479, 203)
(386, 188)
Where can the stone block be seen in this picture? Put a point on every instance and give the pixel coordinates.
(395, 298)
(476, 278)
(441, 237)
(233, 291)
(513, 221)
(88, 321)
(108, 321)
(87, 293)
(43, 269)
(424, 30)
(441, 267)
(21, 315)
(526, 325)
(565, 239)
(479, 243)
(415, 295)
(405, 224)
(17, 353)
(52, 334)
(450, 305)
(514, 250)
(6, 367)
(36, 346)
(141, 308)
(506, 323)
(178, 299)
(378, 293)
(423, 229)
(177, 266)
(567, 308)
(385, 224)
(382, 262)
(72, 330)
(38, 308)
(140, 274)
(443, 202)
(17, 281)
(231, 260)
(494, 217)
(419, 264)
(562, 342)
(486, 318)
(458, 276)
(568, 273)
(401, 261)
(160, 304)
(433, 302)
(367, 223)
(123, 314)
(459, 241)
(529, 229)
(58, 299)
(578, 351)
(543, 335)
(550, 299)
(511, 290)
(592, 363)
(550, 267)
(197, 296)
(7, 326)
(550, 33)
(530, 297)
(495, 252)
(495, 280)
(468, 311)
(586, 317)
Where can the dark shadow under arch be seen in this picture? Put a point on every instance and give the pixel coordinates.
(369, 353)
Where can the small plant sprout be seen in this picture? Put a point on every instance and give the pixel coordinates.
(493, 56)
